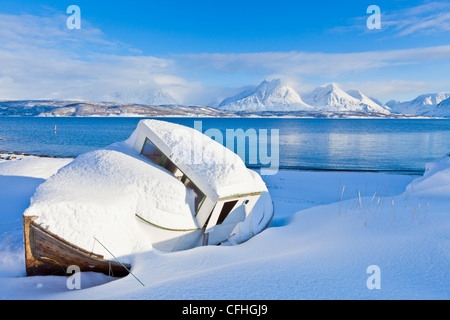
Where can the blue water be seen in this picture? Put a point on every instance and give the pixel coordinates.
(394, 145)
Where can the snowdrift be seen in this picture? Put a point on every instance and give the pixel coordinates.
(435, 181)
(323, 252)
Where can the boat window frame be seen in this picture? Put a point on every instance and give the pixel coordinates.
(164, 159)
(227, 208)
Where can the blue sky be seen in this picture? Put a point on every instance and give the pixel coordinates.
(200, 51)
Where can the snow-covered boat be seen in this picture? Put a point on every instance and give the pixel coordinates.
(48, 254)
(167, 187)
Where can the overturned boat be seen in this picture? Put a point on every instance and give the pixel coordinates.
(167, 187)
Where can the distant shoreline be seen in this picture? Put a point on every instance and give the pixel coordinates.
(69, 108)
(5, 154)
(243, 116)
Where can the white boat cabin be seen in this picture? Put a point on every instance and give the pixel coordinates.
(216, 210)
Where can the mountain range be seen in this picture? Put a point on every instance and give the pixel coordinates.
(269, 98)
(276, 95)
(431, 104)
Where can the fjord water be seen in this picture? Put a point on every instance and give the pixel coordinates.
(392, 145)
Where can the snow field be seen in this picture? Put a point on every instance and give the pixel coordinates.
(319, 246)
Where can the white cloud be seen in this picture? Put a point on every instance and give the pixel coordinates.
(426, 19)
(41, 59)
(387, 90)
(325, 65)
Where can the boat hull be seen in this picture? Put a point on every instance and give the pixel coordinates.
(49, 254)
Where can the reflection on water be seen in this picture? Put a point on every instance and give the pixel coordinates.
(338, 144)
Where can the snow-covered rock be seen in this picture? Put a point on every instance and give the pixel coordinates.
(274, 95)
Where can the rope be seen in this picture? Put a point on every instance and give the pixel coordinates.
(8, 241)
(119, 262)
(109, 271)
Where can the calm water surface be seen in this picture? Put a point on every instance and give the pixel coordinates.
(398, 145)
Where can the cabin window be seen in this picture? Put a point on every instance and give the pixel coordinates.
(198, 193)
(156, 156)
(167, 164)
(152, 152)
(226, 209)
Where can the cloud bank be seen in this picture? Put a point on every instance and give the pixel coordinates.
(41, 59)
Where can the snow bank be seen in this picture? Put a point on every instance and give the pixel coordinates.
(259, 219)
(435, 181)
(322, 253)
(33, 166)
(11, 262)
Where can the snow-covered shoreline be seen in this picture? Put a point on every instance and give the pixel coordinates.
(86, 109)
(329, 227)
(8, 156)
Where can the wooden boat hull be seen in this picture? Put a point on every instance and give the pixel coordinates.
(49, 254)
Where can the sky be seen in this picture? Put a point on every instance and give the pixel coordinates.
(199, 52)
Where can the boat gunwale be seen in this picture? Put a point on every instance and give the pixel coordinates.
(39, 264)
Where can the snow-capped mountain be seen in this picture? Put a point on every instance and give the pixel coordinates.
(269, 99)
(423, 105)
(154, 98)
(274, 95)
(332, 98)
(441, 110)
(373, 103)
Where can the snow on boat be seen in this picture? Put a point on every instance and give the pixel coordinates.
(167, 187)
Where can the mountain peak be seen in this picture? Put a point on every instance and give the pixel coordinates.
(273, 95)
(423, 105)
(330, 97)
(271, 83)
(331, 86)
(276, 95)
